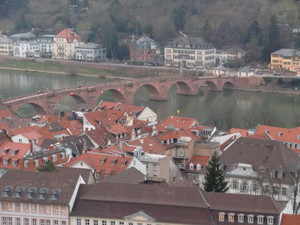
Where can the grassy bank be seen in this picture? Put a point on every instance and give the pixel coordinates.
(55, 67)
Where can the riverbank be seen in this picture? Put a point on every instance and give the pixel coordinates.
(64, 67)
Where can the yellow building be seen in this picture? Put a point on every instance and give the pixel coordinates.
(286, 59)
(6, 46)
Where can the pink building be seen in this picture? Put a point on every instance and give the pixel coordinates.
(37, 198)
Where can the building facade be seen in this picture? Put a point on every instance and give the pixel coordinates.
(6, 46)
(64, 43)
(21, 49)
(45, 45)
(90, 52)
(144, 49)
(189, 52)
(33, 198)
(286, 59)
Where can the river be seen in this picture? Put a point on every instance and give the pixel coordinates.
(225, 109)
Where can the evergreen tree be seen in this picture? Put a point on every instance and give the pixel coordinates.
(273, 39)
(214, 178)
(47, 167)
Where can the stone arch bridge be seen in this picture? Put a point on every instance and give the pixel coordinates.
(45, 102)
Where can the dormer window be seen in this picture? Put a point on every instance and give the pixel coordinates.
(5, 162)
(55, 194)
(62, 155)
(31, 193)
(14, 162)
(250, 218)
(7, 191)
(4, 151)
(231, 217)
(43, 193)
(280, 134)
(26, 162)
(36, 163)
(198, 167)
(241, 218)
(260, 219)
(191, 166)
(19, 192)
(270, 220)
(113, 162)
(221, 217)
(14, 152)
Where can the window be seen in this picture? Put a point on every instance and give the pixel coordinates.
(33, 208)
(112, 223)
(154, 167)
(34, 222)
(254, 187)
(244, 186)
(63, 210)
(17, 207)
(9, 220)
(18, 221)
(130, 223)
(270, 220)
(234, 185)
(42, 209)
(121, 223)
(48, 209)
(78, 221)
(260, 219)
(48, 222)
(250, 218)
(87, 222)
(26, 221)
(103, 222)
(55, 209)
(283, 191)
(231, 217)
(221, 217)
(42, 222)
(241, 218)
(63, 222)
(3, 220)
(95, 222)
(275, 190)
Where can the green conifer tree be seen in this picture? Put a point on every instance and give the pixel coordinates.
(214, 178)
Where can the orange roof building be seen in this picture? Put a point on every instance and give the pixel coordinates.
(288, 219)
(64, 44)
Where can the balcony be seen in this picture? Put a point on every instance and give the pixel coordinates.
(180, 156)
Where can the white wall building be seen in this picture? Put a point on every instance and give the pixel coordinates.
(90, 52)
(190, 52)
(21, 49)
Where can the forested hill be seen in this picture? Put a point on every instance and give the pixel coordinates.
(223, 22)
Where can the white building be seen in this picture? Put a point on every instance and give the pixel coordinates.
(45, 43)
(90, 52)
(190, 52)
(221, 57)
(21, 49)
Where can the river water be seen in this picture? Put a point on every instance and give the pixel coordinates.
(224, 109)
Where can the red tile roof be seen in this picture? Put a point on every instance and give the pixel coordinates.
(4, 126)
(23, 130)
(197, 159)
(21, 150)
(102, 163)
(288, 219)
(180, 122)
(69, 35)
(148, 143)
(243, 132)
(5, 114)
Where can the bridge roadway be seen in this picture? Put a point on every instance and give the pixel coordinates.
(45, 102)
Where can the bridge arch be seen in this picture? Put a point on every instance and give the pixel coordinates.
(211, 85)
(153, 92)
(108, 94)
(228, 85)
(38, 109)
(182, 88)
(69, 102)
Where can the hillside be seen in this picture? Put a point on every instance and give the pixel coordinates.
(225, 23)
